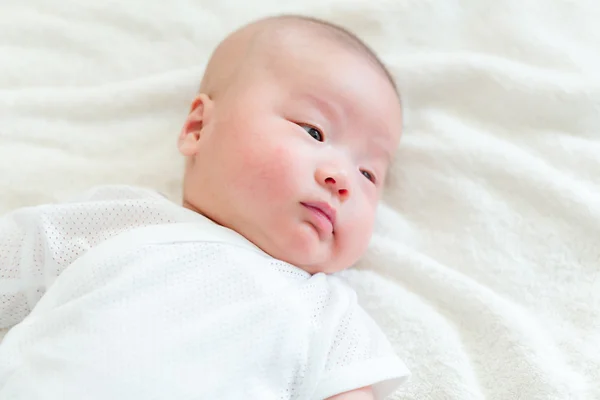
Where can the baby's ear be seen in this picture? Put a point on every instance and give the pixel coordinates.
(194, 124)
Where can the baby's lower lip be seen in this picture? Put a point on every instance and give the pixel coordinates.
(321, 221)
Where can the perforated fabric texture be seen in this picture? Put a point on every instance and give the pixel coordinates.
(180, 318)
(38, 243)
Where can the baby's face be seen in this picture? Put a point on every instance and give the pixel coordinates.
(294, 156)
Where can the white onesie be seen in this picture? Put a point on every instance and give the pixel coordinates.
(138, 298)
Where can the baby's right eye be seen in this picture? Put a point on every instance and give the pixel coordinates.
(312, 131)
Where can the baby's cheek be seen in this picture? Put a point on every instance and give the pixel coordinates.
(266, 171)
(280, 173)
(357, 235)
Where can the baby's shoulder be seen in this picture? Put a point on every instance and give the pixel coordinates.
(75, 226)
(116, 192)
(112, 208)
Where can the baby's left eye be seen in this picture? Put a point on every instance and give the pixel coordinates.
(314, 132)
(368, 175)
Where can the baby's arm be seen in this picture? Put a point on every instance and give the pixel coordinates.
(17, 266)
(365, 393)
(361, 362)
(38, 243)
(27, 265)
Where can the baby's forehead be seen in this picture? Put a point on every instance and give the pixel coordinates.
(284, 34)
(263, 46)
(313, 36)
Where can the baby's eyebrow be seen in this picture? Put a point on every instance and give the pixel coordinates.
(330, 109)
(383, 150)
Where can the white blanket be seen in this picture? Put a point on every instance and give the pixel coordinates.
(485, 268)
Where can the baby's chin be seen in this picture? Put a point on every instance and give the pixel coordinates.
(312, 265)
(308, 253)
(299, 245)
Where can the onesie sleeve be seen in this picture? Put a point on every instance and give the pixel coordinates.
(360, 355)
(38, 243)
(21, 264)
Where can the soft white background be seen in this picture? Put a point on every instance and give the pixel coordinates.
(485, 269)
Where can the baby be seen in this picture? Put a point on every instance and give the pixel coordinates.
(287, 146)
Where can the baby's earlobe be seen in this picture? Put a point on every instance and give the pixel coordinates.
(187, 143)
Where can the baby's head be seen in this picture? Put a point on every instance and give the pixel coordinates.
(289, 141)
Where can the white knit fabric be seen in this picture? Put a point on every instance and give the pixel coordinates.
(154, 301)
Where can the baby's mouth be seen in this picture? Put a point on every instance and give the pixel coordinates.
(323, 216)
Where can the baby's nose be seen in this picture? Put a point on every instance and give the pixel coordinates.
(334, 180)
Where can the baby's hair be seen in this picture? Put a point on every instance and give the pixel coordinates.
(268, 30)
(346, 37)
